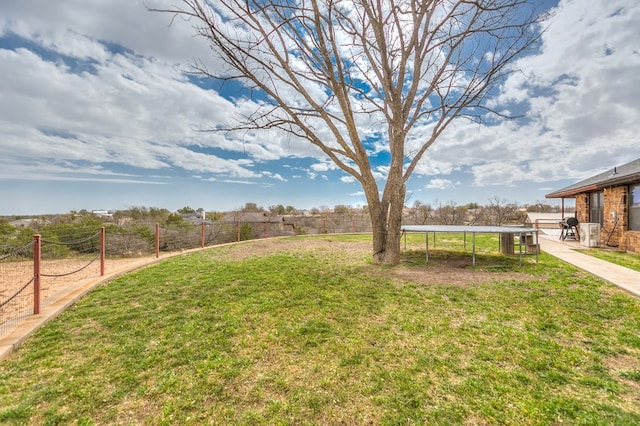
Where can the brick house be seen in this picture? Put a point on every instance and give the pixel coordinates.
(611, 199)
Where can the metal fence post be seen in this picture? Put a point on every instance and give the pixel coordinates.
(36, 273)
(202, 234)
(102, 250)
(157, 240)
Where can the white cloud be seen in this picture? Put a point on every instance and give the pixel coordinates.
(582, 99)
(103, 96)
(323, 167)
(440, 184)
(276, 176)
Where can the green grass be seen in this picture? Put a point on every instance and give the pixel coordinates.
(300, 336)
(629, 260)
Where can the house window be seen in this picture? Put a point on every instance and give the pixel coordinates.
(634, 208)
(596, 207)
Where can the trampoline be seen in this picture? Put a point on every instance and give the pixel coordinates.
(505, 231)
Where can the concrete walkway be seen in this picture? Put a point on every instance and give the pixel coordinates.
(625, 278)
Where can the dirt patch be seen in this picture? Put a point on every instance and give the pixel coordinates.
(260, 248)
(622, 366)
(452, 275)
(453, 271)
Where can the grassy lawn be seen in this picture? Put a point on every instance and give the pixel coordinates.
(629, 260)
(308, 331)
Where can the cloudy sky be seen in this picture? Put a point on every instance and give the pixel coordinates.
(97, 112)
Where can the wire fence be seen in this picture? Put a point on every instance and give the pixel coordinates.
(33, 271)
(16, 285)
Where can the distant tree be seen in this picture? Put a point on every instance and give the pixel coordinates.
(12, 238)
(500, 212)
(539, 208)
(290, 210)
(6, 228)
(472, 206)
(251, 208)
(141, 214)
(246, 232)
(475, 214)
(323, 66)
(67, 218)
(277, 210)
(186, 209)
(342, 209)
(449, 214)
(214, 215)
(174, 219)
(157, 214)
(135, 213)
(420, 213)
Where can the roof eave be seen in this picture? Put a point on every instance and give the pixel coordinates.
(571, 193)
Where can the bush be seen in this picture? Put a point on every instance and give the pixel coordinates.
(246, 232)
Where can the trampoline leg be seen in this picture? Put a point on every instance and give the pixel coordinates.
(473, 244)
(426, 249)
(520, 247)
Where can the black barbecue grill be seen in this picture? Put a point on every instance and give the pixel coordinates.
(569, 227)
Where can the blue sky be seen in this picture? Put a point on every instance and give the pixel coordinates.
(96, 112)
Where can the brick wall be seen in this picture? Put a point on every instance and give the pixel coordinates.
(615, 200)
(582, 207)
(631, 241)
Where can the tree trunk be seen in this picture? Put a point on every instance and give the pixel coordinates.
(386, 220)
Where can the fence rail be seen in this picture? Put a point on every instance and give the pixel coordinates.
(46, 265)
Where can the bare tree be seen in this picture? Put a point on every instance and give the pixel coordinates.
(449, 214)
(474, 214)
(421, 212)
(354, 77)
(501, 212)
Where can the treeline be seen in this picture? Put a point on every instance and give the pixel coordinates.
(68, 234)
(496, 212)
(132, 229)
